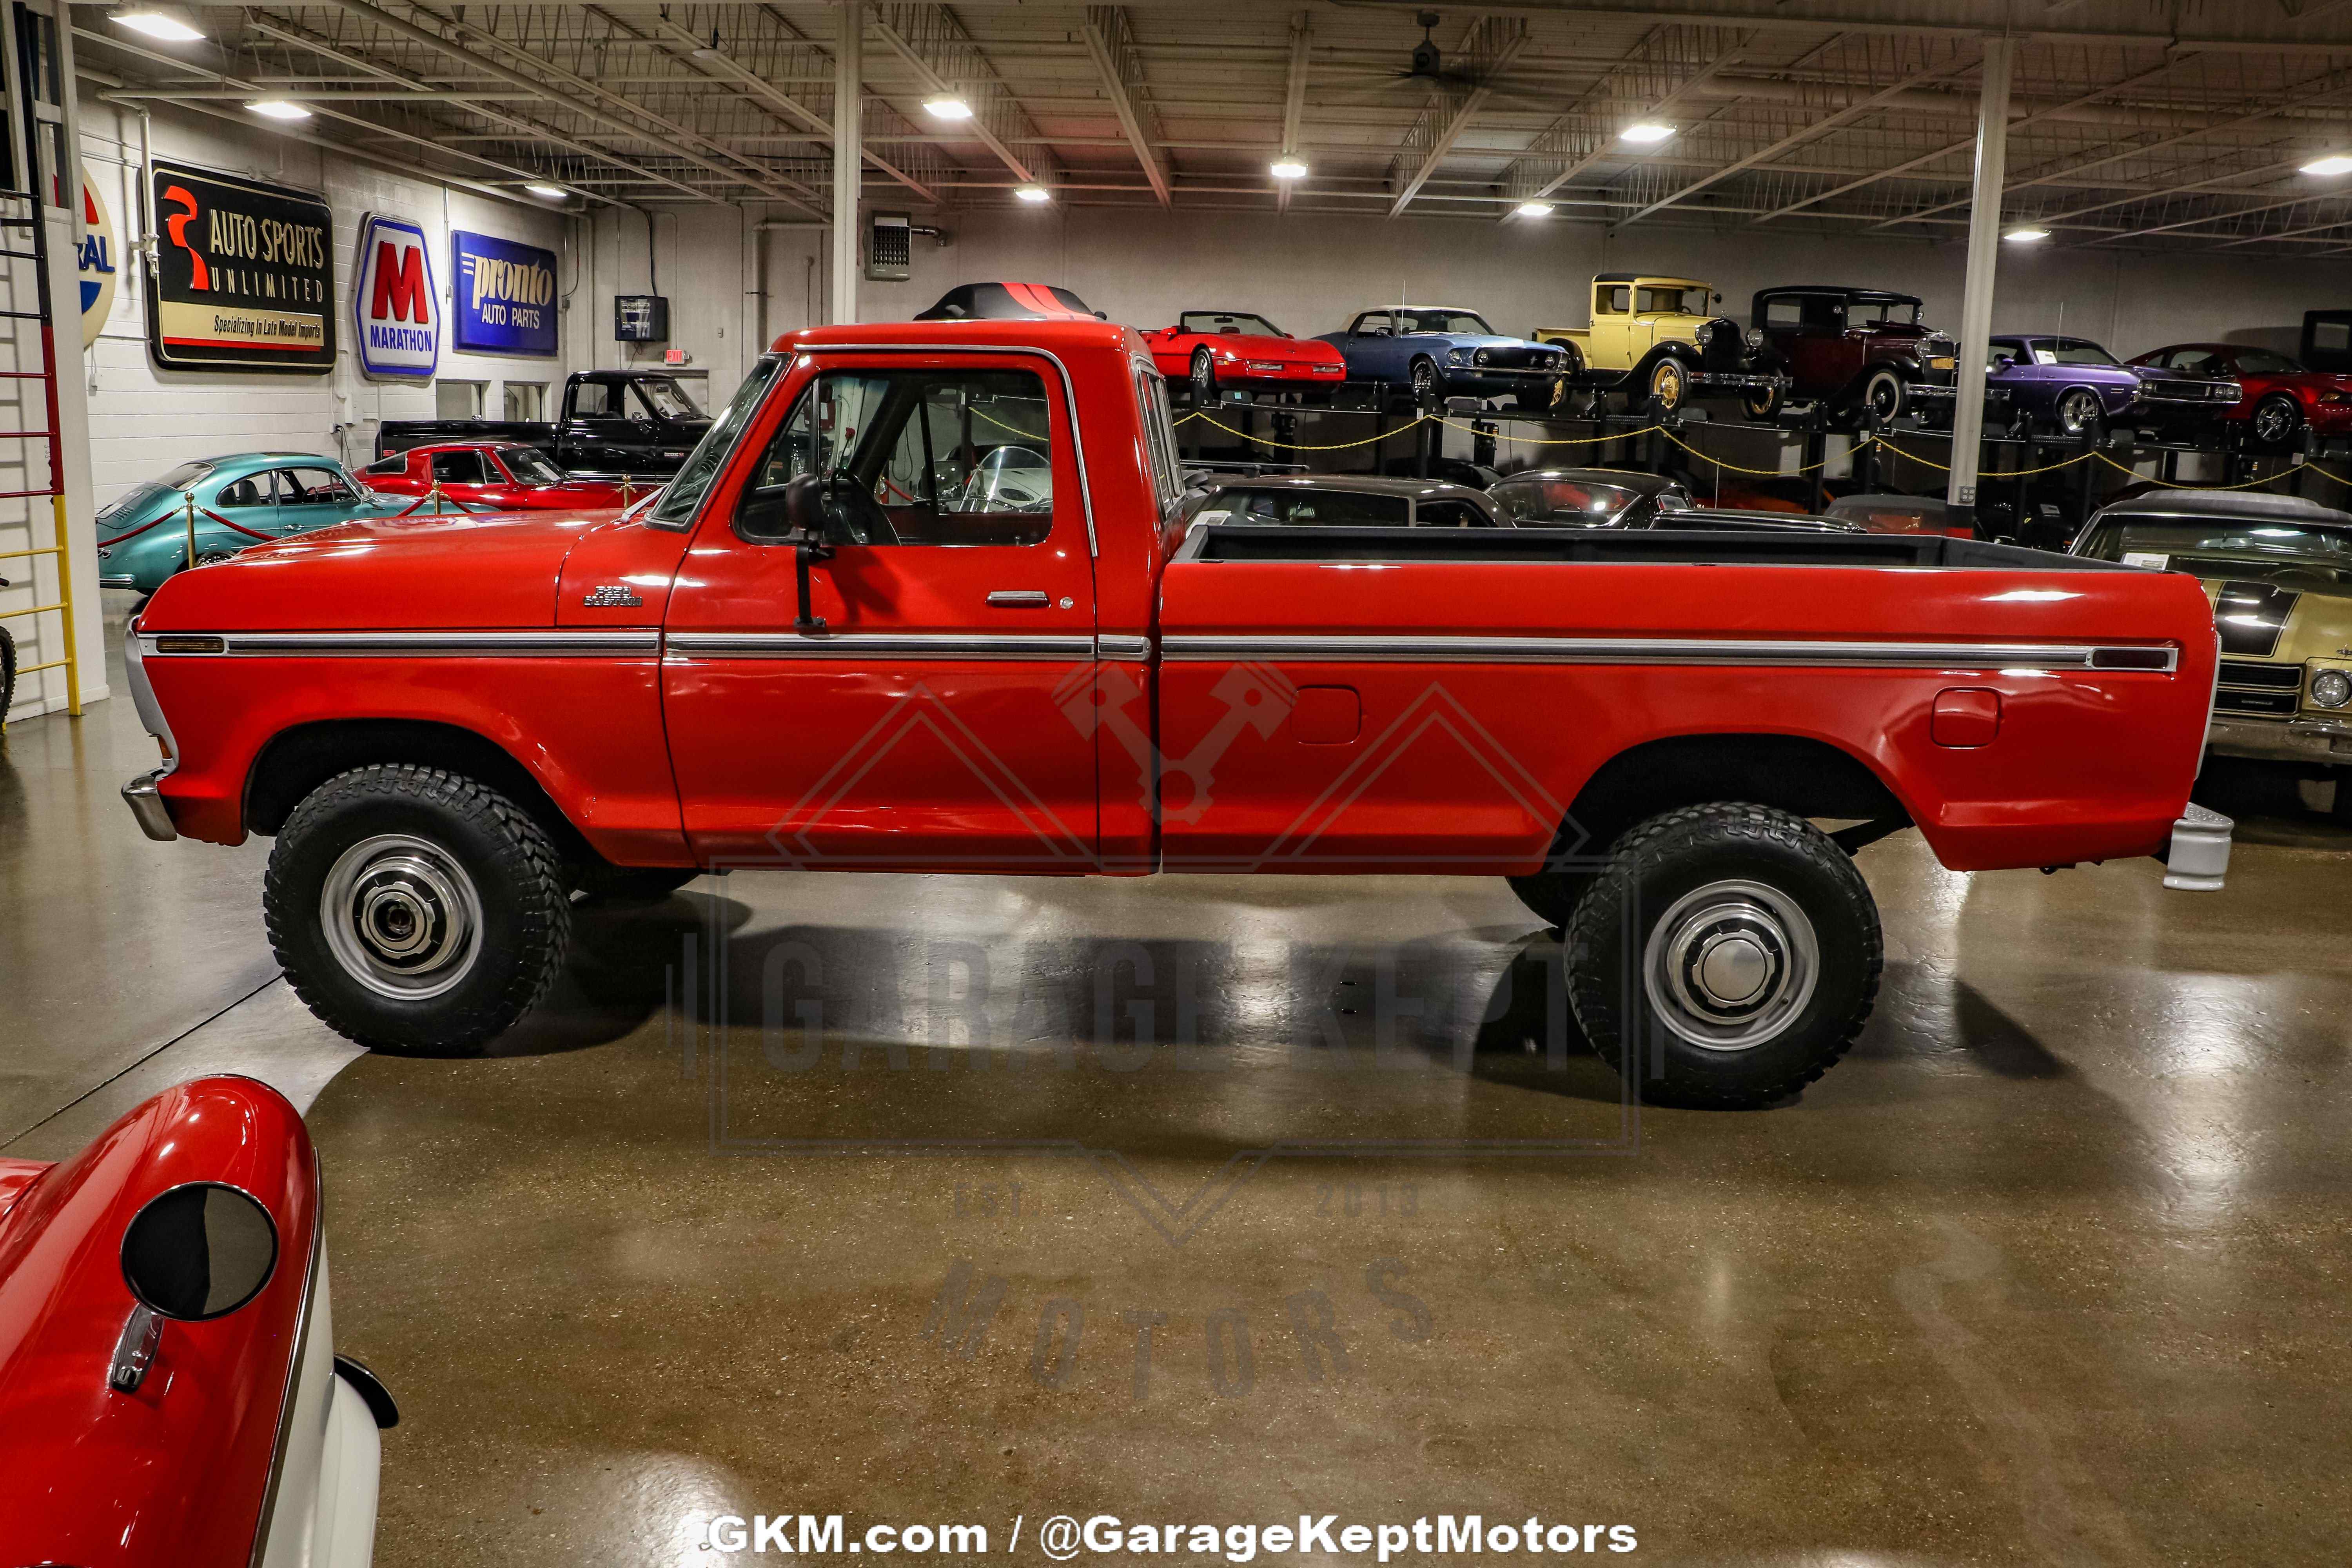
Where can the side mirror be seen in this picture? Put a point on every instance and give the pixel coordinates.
(2002, 362)
(198, 1252)
(1718, 298)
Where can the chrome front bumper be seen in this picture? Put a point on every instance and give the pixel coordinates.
(2283, 739)
(2198, 857)
(146, 804)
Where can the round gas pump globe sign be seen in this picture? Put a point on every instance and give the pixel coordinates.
(98, 261)
(394, 302)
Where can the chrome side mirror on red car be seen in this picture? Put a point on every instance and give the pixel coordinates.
(198, 1252)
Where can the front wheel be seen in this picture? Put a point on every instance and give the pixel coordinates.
(1424, 385)
(2275, 421)
(416, 909)
(1204, 378)
(1728, 955)
(1668, 385)
(1884, 396)
(2080, 412)
(1762, 404)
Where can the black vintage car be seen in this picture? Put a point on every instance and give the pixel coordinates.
(1859, 351)
(615, 422)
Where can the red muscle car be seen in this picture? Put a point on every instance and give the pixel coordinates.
(452, 725)
(170, 1397)
(2280, 399)
(1219, 351)
(505, 476)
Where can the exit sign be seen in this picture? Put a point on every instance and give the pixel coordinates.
(676, 356)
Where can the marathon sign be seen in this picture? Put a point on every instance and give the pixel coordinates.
(395, 310)
(242, 277)
(505, 297)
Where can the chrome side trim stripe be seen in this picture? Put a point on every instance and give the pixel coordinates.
(423, 644)
(1124, 647)
(877, 646)
(1669, 650)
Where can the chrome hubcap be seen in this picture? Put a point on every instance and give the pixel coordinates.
(2270, 421)
(1731, 964)
(2077, 411)
(401, 916)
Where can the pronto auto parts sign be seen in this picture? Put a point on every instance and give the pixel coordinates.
(506, 296)
(395, 310)
(242, 279)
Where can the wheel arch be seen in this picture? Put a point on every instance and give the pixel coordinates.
(298, 759)
(1800, 773)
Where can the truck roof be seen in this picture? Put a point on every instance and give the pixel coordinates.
(1646, 278)
(1053, 336)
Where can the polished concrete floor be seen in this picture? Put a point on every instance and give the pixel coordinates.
(814, 1194)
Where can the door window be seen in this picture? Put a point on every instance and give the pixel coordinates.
(461, 468)
(1375, 324)
(1787, 310)
(915, 457)
(1159, 436)
(1447, 514)
(1613, 301)
(600, 400)
(313, 487)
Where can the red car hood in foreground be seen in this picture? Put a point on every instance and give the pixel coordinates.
(177, 1471)
(422, 572)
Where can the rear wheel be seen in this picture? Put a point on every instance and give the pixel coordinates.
(1734, 945)
(2277, 420)
(416, 909)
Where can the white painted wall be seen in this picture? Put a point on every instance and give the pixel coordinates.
(144, 420)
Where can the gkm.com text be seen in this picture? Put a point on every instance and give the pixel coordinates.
(1063, 1537)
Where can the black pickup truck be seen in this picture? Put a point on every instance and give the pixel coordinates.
(615, 422)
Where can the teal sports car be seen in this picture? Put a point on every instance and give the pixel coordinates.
(144, 537)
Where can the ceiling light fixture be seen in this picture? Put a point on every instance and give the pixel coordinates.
(1645, 134)
(2333, 164)
(948, 109)
(553, 193)
(278, 109)
(1033, 194)
(1290, 168)
(171, 26)
(2026, 236)
(1533, 209)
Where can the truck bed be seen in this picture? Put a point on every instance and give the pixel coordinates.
(1243, 541)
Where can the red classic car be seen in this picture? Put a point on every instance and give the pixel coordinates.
(504, 476)
(2280, 398)
(170, 1397)
(451, 725)
(1219, 351)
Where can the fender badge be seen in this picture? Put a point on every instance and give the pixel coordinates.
(610, 596)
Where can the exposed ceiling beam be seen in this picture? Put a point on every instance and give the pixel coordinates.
(1112, 43)
(1491, 46)
(1801, 134)
(996, 99)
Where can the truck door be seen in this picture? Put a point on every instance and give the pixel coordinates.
(1612, 326)
(597, 432)
(925, 725)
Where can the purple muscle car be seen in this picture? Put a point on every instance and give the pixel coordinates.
(2073, 385)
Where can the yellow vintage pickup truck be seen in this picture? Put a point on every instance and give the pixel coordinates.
(1656, 339)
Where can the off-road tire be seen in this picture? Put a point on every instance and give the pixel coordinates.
(1660, 862)
(515, 873)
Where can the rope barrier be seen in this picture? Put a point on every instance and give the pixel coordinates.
(2176, 485)
(1518, 440)
(1986, 473)
(1298, 446)
(1767, 473)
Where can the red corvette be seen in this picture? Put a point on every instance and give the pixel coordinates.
(168, 1390)
(2281, 397)
(1222, 351)
(504, 476)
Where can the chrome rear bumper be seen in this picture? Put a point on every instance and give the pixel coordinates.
(2200, 854)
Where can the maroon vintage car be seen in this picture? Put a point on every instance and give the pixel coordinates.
(2280, 397)
(1861, 351)
(170, 1394)
(504, 476)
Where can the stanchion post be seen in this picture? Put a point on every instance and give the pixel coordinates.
(192, 527)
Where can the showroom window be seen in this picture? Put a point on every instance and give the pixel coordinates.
(526, 399)
(915, 457)
(458, 399)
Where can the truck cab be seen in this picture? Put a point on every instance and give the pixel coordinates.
(1658, 338)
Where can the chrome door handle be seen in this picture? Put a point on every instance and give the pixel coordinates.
(1019, 598)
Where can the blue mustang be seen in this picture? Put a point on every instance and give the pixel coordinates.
(1439, 352)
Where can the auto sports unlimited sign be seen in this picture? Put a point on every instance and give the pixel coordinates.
(395, 310)
(506, 296)
(242, 276)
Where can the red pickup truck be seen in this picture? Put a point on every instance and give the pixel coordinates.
(921, 602)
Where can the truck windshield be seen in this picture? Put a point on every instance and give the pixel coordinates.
(667, 399)
(682, 497)
(1691, 302)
